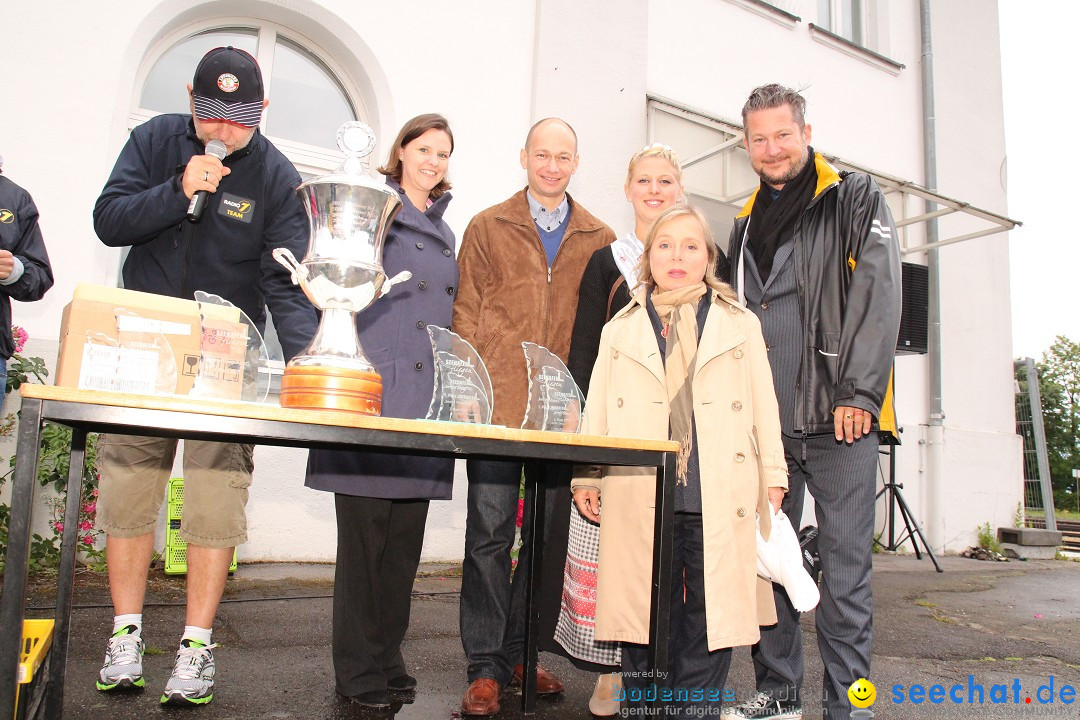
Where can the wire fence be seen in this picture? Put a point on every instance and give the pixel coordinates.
(1033, 499)
(1038, 496)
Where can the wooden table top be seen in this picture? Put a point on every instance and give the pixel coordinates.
(260, 411)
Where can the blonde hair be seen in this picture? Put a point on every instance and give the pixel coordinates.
(656, 150)
(672, 213)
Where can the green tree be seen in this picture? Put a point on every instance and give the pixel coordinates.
(1059, 386)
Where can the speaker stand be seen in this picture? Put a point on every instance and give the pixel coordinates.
(894, 502)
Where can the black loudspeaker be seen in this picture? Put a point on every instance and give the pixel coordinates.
(914, 315)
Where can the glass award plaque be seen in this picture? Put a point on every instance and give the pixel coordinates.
(233, 360)
(555, 401)
(137, 359)
(462, 387)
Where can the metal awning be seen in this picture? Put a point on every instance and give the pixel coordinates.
(716, 168)
(994, 222)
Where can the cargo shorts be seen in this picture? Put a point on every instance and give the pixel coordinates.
(135, 472)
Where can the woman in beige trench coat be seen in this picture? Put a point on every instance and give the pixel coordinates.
(648, 382)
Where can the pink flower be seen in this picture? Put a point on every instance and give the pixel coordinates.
(90, 508)
(59, 527)
(520, 512)
(86, 525)
(20, 337)
(95, 493)
(88, 539)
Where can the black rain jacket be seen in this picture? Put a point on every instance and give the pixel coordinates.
(847, 274)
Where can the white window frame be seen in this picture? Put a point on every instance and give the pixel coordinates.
(860, 30)
(309, 160)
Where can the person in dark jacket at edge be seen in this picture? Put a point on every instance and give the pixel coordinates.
(251, 208)
(25, 272)
(814, 255)
(381, 499)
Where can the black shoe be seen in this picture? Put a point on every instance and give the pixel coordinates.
(374, 699)
(401, 683)
(808, 537)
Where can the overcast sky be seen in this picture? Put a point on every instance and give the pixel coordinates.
(1040, 74)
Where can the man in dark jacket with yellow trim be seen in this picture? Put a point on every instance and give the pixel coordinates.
(814, 256)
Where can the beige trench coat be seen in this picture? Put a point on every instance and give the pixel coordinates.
(734, 403)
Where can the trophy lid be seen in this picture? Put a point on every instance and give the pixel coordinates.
(357, 141)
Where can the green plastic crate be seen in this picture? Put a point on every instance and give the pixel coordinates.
(175, 546)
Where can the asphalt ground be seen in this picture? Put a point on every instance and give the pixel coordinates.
(978, 624)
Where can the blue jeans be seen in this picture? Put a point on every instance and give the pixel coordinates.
(493, 606)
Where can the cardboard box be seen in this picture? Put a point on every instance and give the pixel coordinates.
(127, 341)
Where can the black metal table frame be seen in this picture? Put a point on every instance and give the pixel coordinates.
(85, 417)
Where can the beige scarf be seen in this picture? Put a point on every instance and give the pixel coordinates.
(678, 312)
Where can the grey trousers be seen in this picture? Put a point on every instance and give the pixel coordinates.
(842, 479)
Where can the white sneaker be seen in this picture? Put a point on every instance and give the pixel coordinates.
(192, 680)
(123, 669)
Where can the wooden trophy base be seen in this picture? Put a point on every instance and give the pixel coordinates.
(332, 388)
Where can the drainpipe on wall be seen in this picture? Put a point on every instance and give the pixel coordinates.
(935, 434)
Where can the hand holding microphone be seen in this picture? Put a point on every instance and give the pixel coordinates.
(201, 177)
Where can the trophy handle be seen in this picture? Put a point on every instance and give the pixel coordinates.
(297, 272)
(399, 278)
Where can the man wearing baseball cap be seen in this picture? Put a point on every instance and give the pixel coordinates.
(247, 206)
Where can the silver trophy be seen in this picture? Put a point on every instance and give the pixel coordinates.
(342, 274)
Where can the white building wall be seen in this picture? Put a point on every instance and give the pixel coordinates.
(495, 67)
(983, 471)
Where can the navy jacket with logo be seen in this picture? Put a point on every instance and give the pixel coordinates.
(228, 252)
(21, 236)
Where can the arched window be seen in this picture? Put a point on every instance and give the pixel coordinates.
(308, 98)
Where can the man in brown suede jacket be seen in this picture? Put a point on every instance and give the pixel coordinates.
(521, 264)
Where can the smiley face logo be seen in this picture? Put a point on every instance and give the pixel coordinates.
(862, 693)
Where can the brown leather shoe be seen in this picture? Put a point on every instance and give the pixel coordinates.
(482, 697)
(546, 683)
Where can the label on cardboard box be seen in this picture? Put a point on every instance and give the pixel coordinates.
(224, 352)
(131, 323)
(117, 369)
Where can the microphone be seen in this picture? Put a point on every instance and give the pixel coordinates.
(198, 200)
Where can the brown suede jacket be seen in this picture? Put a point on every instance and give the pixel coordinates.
(507, 295)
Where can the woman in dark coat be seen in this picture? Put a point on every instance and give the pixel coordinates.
(382, 499)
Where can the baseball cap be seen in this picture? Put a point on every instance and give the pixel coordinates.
(228, 86)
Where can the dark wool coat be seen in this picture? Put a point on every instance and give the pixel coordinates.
(393, 333)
